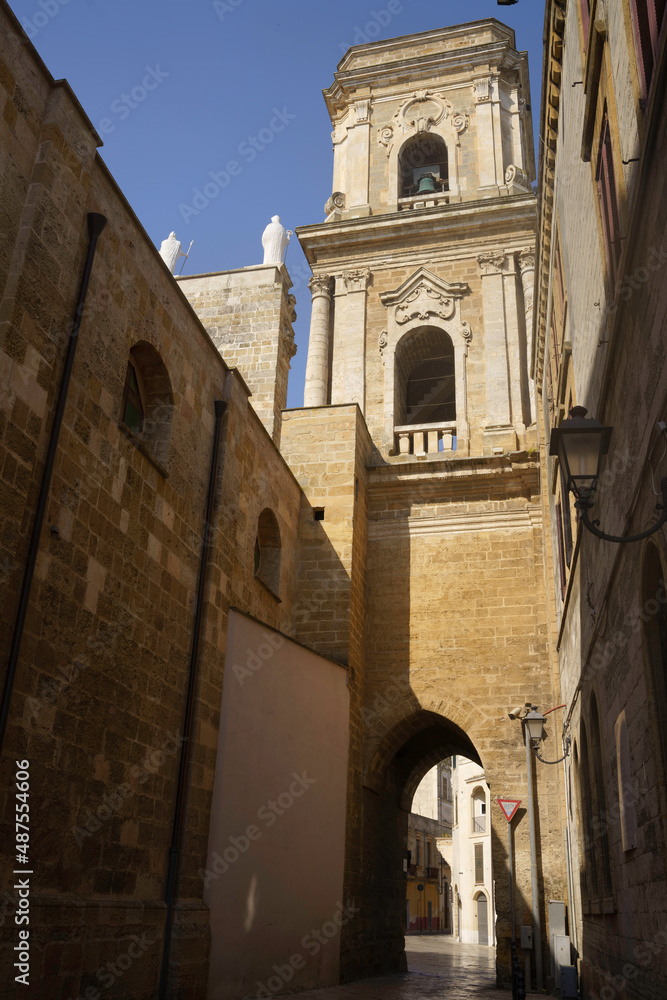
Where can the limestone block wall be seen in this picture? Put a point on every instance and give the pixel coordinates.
(99, 696)
(605, 613)
(329, 449)
(249, 314)
(457, 635)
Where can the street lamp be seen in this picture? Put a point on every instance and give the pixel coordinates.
(534, 734)
(534, 721)
(580, 442)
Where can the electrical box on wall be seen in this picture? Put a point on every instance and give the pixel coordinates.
(526, 937)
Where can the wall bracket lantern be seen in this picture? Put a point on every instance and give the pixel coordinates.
(580, 442)
(534, 722)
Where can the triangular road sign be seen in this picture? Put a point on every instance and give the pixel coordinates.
(509, 807)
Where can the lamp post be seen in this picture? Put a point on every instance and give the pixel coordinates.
(533, 727)
(580, 442)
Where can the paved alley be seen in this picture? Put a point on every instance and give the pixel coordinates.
(438, 967)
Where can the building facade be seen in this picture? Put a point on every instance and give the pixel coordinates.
(429, 875)
(210, 562)
(473, 897)
(600, 342)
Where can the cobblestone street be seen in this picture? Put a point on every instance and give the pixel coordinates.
(438, 967)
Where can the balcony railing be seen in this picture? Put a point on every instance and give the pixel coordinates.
(426, 439)
(426, 200)
(479, 824)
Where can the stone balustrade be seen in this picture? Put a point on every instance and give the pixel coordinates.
(425, 439)
(423, 200)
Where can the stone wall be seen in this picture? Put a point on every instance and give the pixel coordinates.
(614, 364)
(249, 314)
(99, 698)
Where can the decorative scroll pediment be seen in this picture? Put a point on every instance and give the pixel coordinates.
(425, 297)
(423, 109)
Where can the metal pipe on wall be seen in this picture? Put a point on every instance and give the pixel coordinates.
(179, 807)
(96, 224)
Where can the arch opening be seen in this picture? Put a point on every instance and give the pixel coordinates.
(425, 391)
(399, 840)
(423, 154)
(148, 401)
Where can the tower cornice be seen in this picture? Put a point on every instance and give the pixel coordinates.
(384, 240)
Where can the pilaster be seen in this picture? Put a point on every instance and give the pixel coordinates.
(498, 430)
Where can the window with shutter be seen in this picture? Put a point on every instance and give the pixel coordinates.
(648, 18)
(479, 864)
(567, 518)
(561, 553)
(585, 19)
(606, 180)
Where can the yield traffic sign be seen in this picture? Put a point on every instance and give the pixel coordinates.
(509, 807)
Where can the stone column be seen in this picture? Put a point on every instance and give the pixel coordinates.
(527, 268)
(317, 364)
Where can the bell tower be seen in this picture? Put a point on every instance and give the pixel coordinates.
(423, 269)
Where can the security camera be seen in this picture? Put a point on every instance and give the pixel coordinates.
(516, 713)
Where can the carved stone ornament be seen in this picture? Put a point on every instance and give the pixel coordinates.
(424, 302)
(383, 340)
(515, 175)
(363, 110)
(320, 284)
(357, 281)
(424, 109)
(527, 260)
(335, 202)
(491, 263)
(291, 308)
(386, 137)
(290, 346)
(424, 298)
(460, 122)
(482, 88)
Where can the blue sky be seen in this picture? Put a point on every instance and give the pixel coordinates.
(178, 90)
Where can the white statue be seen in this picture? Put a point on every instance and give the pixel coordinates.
(170, 251)
(274, 240)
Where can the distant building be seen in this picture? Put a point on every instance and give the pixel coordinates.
(471, 863)
(429, 875)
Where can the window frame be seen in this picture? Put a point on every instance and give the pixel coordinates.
(607, 190)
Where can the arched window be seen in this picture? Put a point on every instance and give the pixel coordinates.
(148, 402)
(425, 153)
(478, 805)
(426, 386)
(267, 551)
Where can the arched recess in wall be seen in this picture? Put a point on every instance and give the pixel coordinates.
(654, 619)
(587, 854)
(148, 401)
(424, 153)
(268, 551)
(425, 377)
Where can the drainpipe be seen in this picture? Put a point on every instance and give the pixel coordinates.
(535, 890)
(96, 224)
(177, 829)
